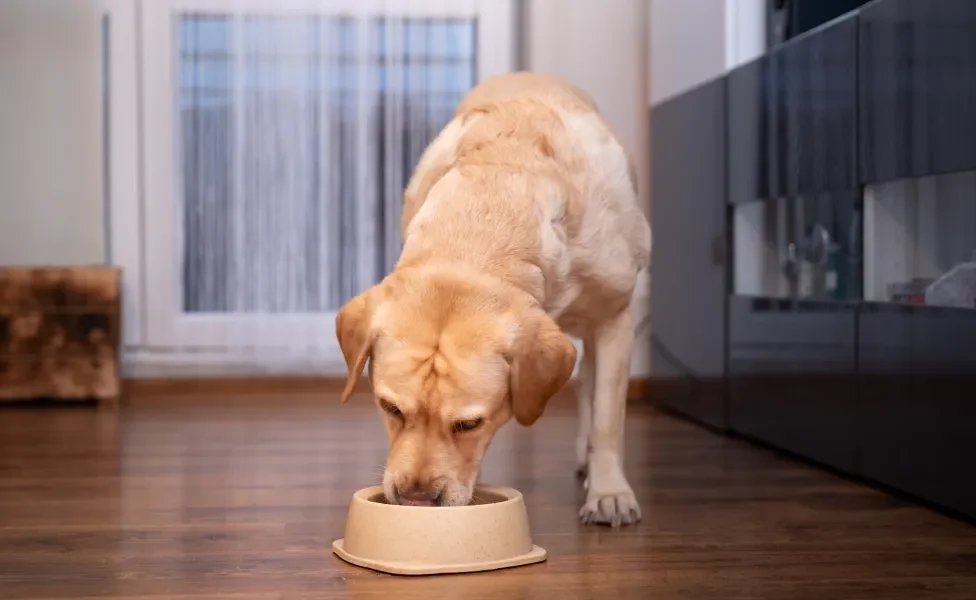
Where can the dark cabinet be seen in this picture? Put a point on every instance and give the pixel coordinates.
(689, 242)
(813, 112)
(848, 335)
(917, 81)
(792, 326)
(792, 376)
(917, 123)
(748, 142)
(792, 183)
(944, 424)
(792, 117)
(918, 401)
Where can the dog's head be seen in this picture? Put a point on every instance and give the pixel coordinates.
(450, 361)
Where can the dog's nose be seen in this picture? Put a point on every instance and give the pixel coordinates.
(415, 496)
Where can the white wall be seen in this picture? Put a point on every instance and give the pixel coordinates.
(51, 202)
(692, 41)
(603, 48)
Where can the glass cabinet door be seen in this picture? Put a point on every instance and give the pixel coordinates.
(807, 247)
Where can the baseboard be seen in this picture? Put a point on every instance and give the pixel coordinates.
(194, 389)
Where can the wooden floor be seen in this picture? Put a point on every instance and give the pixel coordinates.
(241, 501)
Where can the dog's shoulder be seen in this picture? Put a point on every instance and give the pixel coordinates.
(436, 160)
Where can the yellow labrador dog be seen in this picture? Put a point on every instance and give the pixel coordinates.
(521, 227)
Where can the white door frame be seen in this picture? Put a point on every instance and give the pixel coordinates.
(123, 200)
(143, 216)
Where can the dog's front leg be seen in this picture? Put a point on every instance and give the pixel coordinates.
(609, 497)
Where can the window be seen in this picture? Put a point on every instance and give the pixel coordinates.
(275, 138)
(804, 247)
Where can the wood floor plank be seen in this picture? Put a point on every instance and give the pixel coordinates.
(225, 502)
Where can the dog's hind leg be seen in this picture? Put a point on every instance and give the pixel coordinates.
(584, 397)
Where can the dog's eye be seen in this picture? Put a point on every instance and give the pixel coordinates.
(390, 409)
(468, 425)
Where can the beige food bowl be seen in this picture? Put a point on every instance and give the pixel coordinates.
(491, 533)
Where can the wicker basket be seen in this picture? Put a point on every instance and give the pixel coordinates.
(59, 333)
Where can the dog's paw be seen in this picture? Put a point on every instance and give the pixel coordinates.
(612, 509)
(609, 498)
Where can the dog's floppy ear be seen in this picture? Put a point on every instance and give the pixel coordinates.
(542, 358)
(355, 333)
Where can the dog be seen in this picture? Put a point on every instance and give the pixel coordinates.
(521, 228)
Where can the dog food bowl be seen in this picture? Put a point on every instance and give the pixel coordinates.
(491, 533)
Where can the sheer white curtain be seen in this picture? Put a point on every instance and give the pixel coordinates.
(293, 129)
(297, 137)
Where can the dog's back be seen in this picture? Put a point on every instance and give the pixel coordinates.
(570, 186)
(552, 90)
